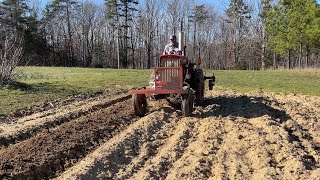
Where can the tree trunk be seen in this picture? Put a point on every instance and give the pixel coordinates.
(307, 60)
(133, 51)
(274, 60)
(263, 50)
(300, 55)
(289, 59)
(148, 55)
(118, 48)
(70, 36)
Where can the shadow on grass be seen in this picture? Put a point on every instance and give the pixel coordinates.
(15, 85)
(243, 106)
(43, 88)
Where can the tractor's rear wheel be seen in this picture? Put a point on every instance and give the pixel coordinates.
(187, 104)
(139, 104)
(211, 84)
(191, 101)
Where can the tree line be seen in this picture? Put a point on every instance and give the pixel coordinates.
(253, 35)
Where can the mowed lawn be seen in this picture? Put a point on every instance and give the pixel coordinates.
(306, 82)
(42, 84)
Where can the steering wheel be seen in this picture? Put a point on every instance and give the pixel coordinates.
(172, 52)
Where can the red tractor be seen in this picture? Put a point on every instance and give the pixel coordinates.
(174, 74)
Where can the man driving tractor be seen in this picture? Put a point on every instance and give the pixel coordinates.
(174, 76)
(172, 47)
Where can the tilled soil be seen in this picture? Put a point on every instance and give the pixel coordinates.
(59, 112)
(233, 136)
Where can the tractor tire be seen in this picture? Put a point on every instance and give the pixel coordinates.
(191, 101)
(187, 104)
(139, 104)
(211, 84)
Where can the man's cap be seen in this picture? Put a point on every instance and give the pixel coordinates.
(173, 37)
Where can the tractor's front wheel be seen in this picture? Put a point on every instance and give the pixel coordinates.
(139, 104)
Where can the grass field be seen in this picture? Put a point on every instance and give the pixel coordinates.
(48, 83)
(305, 82)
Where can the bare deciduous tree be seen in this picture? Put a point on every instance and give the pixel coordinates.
(10, 55)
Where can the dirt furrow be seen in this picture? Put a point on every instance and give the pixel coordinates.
(29, 126)
(228, 160)
(196, 163)
(149, 146)
(126, 151)
(253, 135)
(54, 150)
(287, 155)
(158, 166)
(303, 128)
(305, 122)
(264, 142)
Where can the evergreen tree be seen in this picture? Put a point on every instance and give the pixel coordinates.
(63, 9)
(35, 45)
(313, 25)
(266, 6)
(293, 25)
(21, 22)
(239, 14)
(199, 15)
(121, 13)
(13, 16)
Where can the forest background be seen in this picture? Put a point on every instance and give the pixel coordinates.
(243, 34)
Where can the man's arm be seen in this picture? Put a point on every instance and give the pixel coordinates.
(165, 51)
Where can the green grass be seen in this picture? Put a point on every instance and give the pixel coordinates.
(49, 83)
(305, 82)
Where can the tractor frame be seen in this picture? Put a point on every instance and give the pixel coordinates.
(174, 74)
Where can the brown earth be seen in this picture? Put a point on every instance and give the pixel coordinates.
(24, 124)
(233, 136)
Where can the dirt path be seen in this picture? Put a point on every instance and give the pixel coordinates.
(233, 136)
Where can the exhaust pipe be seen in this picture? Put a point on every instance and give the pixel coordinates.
(181, 41)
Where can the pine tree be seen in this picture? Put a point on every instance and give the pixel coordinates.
(35, 47)
(121, 13)
(239, 14)
(293, 25)
(20, 21)
(313, 26)
(62, 9)
(266, 6)
(199, 15)
(13, 15)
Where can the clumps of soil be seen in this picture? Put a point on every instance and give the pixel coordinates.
(45, 106)
(233, 136)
